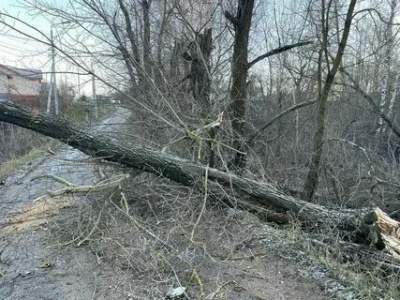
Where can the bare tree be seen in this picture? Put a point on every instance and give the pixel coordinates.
(391, 77)
(324, 88)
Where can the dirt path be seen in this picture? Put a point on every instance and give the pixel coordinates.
(34, 266)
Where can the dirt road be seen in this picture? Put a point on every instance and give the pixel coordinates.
(32, 266)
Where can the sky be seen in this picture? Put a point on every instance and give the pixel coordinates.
(19, 51)
(16, 49)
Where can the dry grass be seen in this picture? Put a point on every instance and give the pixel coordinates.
(13, 164)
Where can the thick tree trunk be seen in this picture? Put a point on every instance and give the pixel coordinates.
(242, 24)
(182, 171)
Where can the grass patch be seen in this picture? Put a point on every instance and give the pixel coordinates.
(75, 113)
(10, 165)
(78, 113)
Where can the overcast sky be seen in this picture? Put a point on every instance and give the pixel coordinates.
(16, 49)
(19, 51)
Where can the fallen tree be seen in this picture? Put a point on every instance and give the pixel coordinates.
(179, 170)
(253, 194)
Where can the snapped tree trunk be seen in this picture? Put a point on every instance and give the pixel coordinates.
(200, 84)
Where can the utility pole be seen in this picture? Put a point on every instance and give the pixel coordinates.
(94, 98)
(53, 93)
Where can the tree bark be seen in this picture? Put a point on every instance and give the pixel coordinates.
(200, 81)
(242, 24)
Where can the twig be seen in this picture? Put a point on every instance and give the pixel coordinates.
(55, 178)
(124, 202)
(357, 147)
(94, 226)
(101, 173)
(73, 189)
(203, 207)
(277, 117)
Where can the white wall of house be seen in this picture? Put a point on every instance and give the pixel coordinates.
(18, 85)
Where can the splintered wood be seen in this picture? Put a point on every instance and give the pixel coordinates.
(385, 233)
(34, 214)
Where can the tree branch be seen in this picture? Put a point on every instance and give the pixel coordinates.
(76, 189)
(277, 51)
(282, 114)
(231, 18)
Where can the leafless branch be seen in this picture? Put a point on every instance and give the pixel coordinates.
(277, 51)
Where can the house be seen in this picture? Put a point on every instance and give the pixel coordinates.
(21, 85)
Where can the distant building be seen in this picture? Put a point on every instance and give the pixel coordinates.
(21, 85)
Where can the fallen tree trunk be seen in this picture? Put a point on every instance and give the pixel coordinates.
(179, 170)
